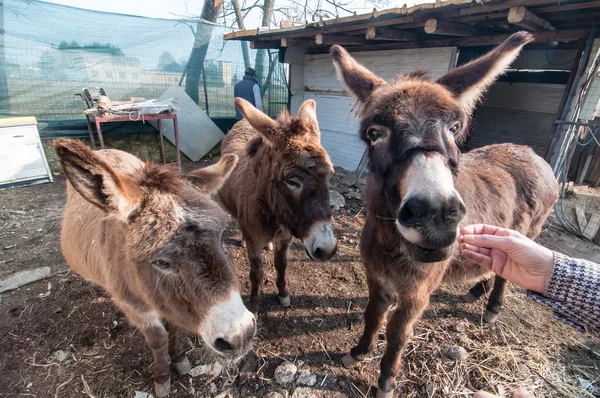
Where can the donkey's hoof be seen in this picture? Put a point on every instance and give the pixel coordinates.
(383, 394)
(470, 298)
(284, 301)
(349, 361)
(490, 317)
(269, 246)
(182, 367)
(162, 389)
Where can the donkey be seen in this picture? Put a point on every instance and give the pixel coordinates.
(153, 242)
(421, 190)
(279, 189)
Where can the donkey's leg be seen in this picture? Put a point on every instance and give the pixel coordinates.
(379, 302)
(179, 360)
(283, 295)
(398, 332)
(477, 291)
(149, 324)
(496, 300)
(256, 274)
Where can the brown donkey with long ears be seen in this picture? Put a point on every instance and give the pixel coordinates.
(421, 190)
(279, 190)
(153, 242)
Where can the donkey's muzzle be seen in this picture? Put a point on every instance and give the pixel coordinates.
(320, 244)
(430, 226)
(229, 328)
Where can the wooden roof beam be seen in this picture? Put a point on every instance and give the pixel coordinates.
(258, 45)
(436, 27)
(328, 40)
(524, 18)
(296, 43)
(375, 33)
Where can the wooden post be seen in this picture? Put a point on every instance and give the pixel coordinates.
(524, 18)
(436, 27)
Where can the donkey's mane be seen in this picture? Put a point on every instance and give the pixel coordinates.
(160, 177)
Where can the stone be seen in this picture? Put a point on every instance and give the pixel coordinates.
(455, 353)
(460, 326)
(216, 369)
(273, 394)
(22, 278)
(305, 378)
(284, 374)
(336, 200)
(307, 392)
(61, 355)
(353, 195)
(198, 370)
(141, 394)
(348, 180)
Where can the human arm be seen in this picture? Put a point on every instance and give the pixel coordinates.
(570, 286)
(257, 97)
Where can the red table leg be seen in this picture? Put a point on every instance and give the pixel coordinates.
(89, 126)
(162, 144)
(100, 134)
(176, 133)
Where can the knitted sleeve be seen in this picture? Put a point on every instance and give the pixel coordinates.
(573, 293)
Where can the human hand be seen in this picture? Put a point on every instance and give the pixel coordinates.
(520, 393)
(509, 254)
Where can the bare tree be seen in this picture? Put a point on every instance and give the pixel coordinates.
(203, 34)
(240, 22)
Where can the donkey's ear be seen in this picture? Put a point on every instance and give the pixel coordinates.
(211, 178)
(469, 82)
(96, 181)
(308, 111)
(359, 80)
(261, 122)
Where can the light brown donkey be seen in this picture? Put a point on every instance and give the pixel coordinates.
(420, 190)
(279, 189)
(153, 242)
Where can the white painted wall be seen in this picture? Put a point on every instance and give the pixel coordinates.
(337, 121)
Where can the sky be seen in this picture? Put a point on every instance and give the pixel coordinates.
(174, 9)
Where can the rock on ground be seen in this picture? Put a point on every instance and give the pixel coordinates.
(198, 370)
(284, 374)
(62, 355)
(305, 378)
(307, 392)
(273, 394)
(336, 200)
(455, 353)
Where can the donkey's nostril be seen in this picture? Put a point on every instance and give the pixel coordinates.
(318, 253)
(222, 345)
(410, 212)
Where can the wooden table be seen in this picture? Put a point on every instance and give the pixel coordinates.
(108, 118)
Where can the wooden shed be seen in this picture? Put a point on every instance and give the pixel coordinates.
(521, 108)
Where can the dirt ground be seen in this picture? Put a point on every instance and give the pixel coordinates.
(108, 357)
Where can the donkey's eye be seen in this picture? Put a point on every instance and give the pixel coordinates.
(455, 128)
(161, 264)
(293, 184)
(375, 134)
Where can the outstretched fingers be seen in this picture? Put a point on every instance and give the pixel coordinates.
(478, 258)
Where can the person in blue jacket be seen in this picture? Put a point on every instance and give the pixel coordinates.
(249, 90)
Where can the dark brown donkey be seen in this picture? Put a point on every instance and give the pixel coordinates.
(153, 241)
(279, 189)
(420, 190)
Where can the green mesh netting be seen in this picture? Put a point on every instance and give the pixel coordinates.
(49, 52)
